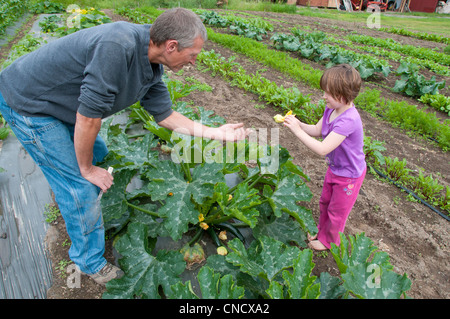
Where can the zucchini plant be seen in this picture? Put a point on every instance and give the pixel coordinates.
(185, 198)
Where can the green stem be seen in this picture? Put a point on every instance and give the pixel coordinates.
(143, 210)
(256, 181)
(187, 171)
(213, 217)
(231, 190)
(196, 237)
(137, 135)
(237, 225)
(221, 220)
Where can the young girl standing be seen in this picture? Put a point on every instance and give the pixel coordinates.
(342, 143)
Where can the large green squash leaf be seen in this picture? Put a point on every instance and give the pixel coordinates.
(330, 287)
(366, 272)
(169, 184)
(356, 250)
(215, 286)
(289, 190)
(137, 154)
(114, 202)
(299, 283)
(283, 229)
(241, 205)
(372, 281)
(212, 286)
(144, 273)
(265, 258)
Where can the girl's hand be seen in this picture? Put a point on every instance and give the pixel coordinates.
(292, 123)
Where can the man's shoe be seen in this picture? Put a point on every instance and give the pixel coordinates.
(106, 274)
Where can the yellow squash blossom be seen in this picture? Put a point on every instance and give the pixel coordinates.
(204, 225)
(201, 218)
(280, 118)
(223, 235)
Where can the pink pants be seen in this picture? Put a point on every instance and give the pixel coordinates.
(338, 197)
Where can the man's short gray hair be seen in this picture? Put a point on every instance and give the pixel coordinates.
(177, 24)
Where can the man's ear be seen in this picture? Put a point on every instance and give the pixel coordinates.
(171, 45)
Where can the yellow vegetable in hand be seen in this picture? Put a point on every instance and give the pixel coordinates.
(280, 118)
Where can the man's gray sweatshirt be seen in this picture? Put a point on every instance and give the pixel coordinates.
(97, 72)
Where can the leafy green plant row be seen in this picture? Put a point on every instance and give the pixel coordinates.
(424, 186)
(310, 46)
(418, 52)
(285, 98)
(378, 51)
(438, 101)
(419, 35)
(395, 56)
(406, 116)
(430, 65)
(253, 29)
(142, 15)
(227, 19)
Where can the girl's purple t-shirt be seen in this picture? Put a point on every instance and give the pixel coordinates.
(348, 159)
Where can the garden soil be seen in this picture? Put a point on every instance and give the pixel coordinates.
(416, 238)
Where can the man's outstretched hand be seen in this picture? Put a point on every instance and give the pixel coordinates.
(231, 132)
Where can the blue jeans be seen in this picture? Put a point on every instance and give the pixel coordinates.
(50, 143)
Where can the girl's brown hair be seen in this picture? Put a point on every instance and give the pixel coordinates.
(342, 82)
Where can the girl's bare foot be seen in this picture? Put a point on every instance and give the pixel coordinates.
(317, 245)
(311, 238)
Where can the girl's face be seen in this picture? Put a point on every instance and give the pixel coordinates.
(332, 103)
